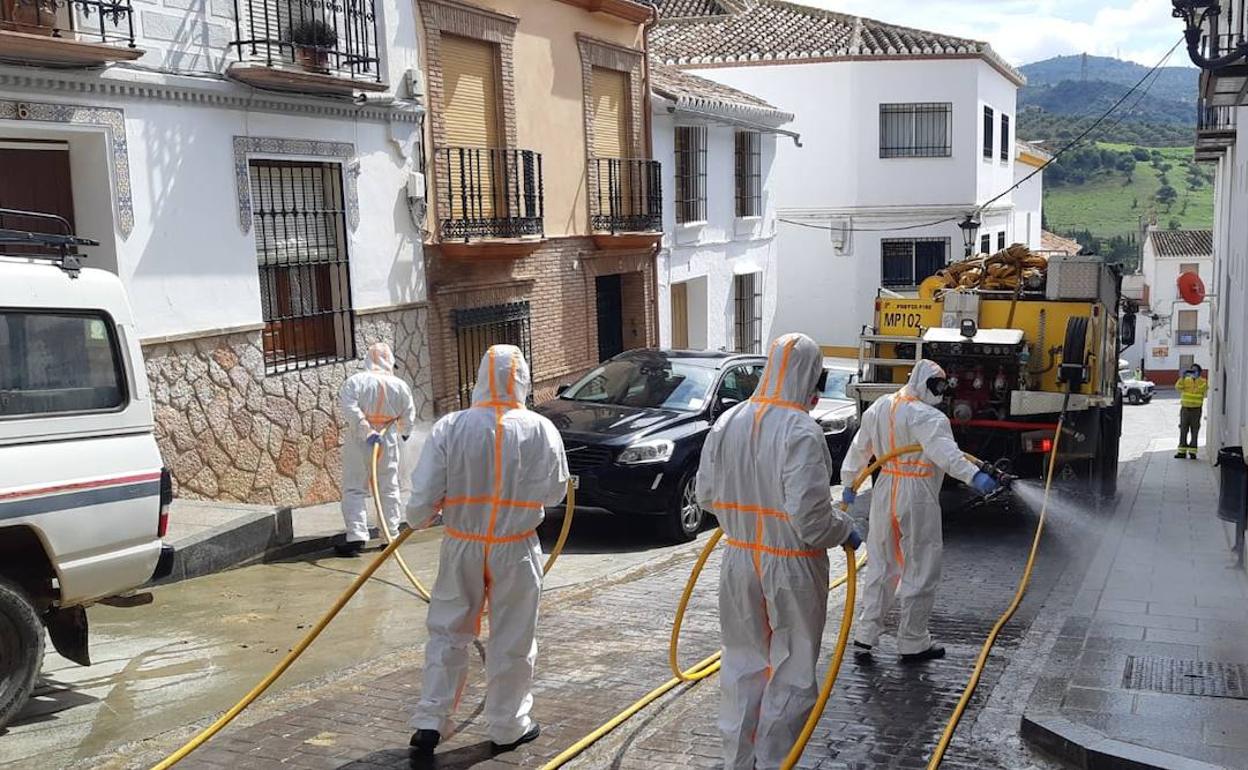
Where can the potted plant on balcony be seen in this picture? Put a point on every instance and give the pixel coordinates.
(313, 39)
(36, 17)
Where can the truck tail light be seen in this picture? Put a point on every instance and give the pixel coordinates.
(1038, 442)
(166, 499)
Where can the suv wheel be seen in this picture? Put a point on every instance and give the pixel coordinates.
(21, 649)
(685, 517)
(1134, 397)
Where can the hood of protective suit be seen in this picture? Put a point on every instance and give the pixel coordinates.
(917, 386)
(794, 364)
(380, 359)
(503, 377)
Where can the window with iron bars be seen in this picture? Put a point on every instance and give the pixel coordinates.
(749, 174)
(690, 174)
(909, 261)
(988, 132)
(748, 313)
(1005, 137)
(916, 130)
(301, 253)
(476, 329)
(1001, 241)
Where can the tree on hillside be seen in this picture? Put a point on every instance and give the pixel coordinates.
(1139, 153)
(1166, 196)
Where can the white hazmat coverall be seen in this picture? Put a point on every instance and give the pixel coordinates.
(904, 544)
(490, 469)
(765, 473)
(374, 400)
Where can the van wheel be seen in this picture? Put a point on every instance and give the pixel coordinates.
(685, 517)
(21, 649)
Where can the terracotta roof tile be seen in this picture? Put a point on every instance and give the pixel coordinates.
(767, 30)
(1054, 243)
(1182, 243)
(674, 84)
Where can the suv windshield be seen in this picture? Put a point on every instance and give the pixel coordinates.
(655, 382)
(837, 380)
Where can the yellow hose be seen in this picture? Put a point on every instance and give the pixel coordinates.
(421, 591)
(938, 755)
(298, 650)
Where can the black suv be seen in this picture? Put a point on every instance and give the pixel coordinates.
(634, 427)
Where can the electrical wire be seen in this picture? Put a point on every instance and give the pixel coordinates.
(1040, 169)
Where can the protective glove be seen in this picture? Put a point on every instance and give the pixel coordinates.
(854, 541)
(374, 439)
(848, 496)
(984, 484)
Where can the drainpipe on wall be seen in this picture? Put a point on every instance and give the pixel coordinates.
(649, 152)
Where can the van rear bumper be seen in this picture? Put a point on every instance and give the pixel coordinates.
(164, 564)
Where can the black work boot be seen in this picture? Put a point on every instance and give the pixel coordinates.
(423, 742)
(931, 653)
(529, 736)
(862, 653)
(349, 549)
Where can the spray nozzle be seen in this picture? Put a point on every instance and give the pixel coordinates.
(1000, 471)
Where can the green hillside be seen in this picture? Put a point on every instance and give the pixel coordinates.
(1110, 201)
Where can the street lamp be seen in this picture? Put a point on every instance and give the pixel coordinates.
(1196, 14)
(970, 229)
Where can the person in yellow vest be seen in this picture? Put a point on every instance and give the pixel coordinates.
(1192, 388)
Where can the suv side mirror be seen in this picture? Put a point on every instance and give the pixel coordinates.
(559, 391)
(1126, 332)
(723, 404)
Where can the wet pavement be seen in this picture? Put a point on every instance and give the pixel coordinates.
(202, 643)
(603, 645)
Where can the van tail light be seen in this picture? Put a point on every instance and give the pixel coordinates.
(1040, 442)
(166, 499)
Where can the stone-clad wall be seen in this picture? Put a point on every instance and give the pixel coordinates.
(230, 432)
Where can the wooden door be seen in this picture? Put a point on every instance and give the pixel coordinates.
(610, 306)
(680, 316)
(35, 178)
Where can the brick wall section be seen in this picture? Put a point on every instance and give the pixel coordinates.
(558, 282)
(229, 431)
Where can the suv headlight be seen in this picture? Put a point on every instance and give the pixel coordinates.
(834, 424)
(657, 450)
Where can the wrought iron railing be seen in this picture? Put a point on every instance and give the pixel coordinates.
(101, 21)
(478, 328)
(628, 196)
(490, 193)
(336, 37)
(1215, 117)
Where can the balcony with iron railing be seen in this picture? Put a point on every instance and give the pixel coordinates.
(1215, 130)
(626, 208)
(1217, 41)
(309, 46)
(67, 33)
(489, 201)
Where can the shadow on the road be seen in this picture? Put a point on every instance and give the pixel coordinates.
(50, 698)
(462, 757)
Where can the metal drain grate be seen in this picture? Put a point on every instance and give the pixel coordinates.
(1186, 677)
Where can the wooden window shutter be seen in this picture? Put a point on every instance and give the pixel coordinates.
(611, 113)
(680, 316)
(470, 87)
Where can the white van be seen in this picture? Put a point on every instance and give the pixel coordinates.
(83, 493)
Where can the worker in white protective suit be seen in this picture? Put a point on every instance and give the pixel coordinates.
(765, 473)
(490, 470)
(379, 411)
(904, 541)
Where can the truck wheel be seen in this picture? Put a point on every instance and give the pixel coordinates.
(1104, 480)
(21, 649)
(684, 517)
(1134, 397)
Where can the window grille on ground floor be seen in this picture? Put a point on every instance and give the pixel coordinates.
(476, 329)
(301, 251)
(908, 261)
(748, 312)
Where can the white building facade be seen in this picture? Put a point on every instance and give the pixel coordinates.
(1177, 334)
(904, 134)
(248, 176)
(717, 267)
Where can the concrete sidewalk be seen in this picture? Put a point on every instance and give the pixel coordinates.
(1151, 667)
(210, 537)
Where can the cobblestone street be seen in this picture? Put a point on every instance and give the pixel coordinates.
(604, 644)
